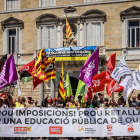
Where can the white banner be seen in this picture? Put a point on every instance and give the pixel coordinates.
(48, 122)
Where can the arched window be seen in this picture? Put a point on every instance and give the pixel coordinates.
(72, 41)
(93, 21)
(47, 30)
(131, 27)
(12, 30)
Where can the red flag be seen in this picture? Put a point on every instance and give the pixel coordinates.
(89, 93)
(3, 95)
(36, 82)
(110, 67)
(98, 83)
(113, 86)
(28, 67)
(118, 88)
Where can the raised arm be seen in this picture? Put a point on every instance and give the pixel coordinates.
(130, 96)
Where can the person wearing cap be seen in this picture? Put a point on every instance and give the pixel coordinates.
(101, 103)
(30, 103)
(80, 104)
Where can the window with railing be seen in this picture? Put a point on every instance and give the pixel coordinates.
(45, 3)
(12, 4)
(133, 31)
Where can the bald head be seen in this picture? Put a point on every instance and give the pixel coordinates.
(133, 97)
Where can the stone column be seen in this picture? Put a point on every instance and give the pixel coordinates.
(41, 92)
(78, 34)
(84, 35)
(61, 35)
(52, 94)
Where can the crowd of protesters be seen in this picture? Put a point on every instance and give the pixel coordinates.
(97, 101)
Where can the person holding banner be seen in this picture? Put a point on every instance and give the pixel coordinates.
(138, 97)
(50, 103)
(10, 101)
(72, 103)
(4, 102)
(101, 103)
(82, 105)
(60, 103)
(1, 102)
(133, 103)
(94, 100)
(111, 104)
(21, 102)
(30, 103)
(89, 104)
(120, 101)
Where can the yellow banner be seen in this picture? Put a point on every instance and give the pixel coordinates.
(70, 58)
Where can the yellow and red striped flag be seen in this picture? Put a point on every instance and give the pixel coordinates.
(41, 69)
(50, 70)
(40, 64)
(61, 85)
(68, 30)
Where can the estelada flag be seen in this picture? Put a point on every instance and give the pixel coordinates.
(98, 82)
(3, 95)
(110, 65)
(113, 86)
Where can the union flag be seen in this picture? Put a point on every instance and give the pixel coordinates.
(98, 83)
(113, 86)
(110, 67)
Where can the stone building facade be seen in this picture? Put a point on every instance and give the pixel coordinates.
(30, 25)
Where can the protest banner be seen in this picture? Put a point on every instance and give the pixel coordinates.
(85, 122)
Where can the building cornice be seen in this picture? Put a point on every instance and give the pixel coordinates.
(64, 6)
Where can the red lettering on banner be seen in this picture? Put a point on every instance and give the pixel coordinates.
(109, 129)
(55, 130)
(20, 129)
